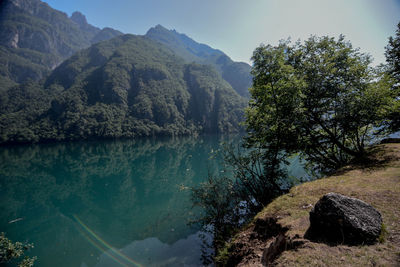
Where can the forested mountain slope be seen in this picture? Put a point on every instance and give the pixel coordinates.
(237, 74)
(128, 86)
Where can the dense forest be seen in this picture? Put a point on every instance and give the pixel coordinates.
(128, 86)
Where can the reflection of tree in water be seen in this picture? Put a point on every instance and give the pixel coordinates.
(124, 190)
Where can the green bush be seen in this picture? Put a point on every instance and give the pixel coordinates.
(11, 252)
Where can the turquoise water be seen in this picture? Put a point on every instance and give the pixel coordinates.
(106, 203)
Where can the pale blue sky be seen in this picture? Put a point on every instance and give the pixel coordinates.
(238, 26)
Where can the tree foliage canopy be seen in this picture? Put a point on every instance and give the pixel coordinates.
(10, 252)
(392, 54)
(320, 98)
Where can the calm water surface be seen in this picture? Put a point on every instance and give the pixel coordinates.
(106, 203)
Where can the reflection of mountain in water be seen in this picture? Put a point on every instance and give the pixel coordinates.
(152, 252)
(122, 190)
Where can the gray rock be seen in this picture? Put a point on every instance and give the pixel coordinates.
(338, 219)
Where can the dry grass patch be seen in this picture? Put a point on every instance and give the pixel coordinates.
(377, 183)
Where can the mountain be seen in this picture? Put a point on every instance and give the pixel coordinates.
(105, 34)
(128, 86)
(35, 38)
(64, 79)
(237, 74)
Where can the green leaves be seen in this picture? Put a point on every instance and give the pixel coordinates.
(392, 54)
(11, 251)
(275, 95)
(320, 98)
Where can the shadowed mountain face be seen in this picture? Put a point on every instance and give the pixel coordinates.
(35, 38)
(128, 86)
(237, 74)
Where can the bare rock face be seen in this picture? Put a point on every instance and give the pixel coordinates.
(13, 43)
(41, 38)
(338, 219)
(79, 18)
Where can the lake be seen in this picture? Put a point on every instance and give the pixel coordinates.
(106, 203)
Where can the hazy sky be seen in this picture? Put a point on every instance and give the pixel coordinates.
(238, 26)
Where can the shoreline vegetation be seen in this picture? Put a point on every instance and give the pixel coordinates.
(319, 99)
(377, 183)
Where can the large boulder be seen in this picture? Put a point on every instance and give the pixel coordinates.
(338, 219)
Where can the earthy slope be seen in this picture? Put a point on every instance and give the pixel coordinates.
(128, 86)
(35, 38)
(237, 74)
(287, 219)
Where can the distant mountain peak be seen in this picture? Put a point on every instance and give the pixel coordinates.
(32, 7)
(105, 34)
(79, 18)
(159, 26)
(237, 74)
(158, 29)
(161, 33)
(40, 38)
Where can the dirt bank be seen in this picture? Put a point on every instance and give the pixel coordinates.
(275, 237)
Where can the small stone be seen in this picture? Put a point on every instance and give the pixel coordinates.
(306, 206)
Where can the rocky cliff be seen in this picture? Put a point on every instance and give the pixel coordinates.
(35, 38)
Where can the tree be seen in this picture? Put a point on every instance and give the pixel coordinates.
(229, 201)
(392, 54)
(320, 98)
(10, 251)
(220, 215)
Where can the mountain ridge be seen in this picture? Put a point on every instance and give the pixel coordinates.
(36, 38)
(237, 74)
(125, 87)
(64, 79)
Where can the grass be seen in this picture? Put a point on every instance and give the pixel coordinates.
(377, 183)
